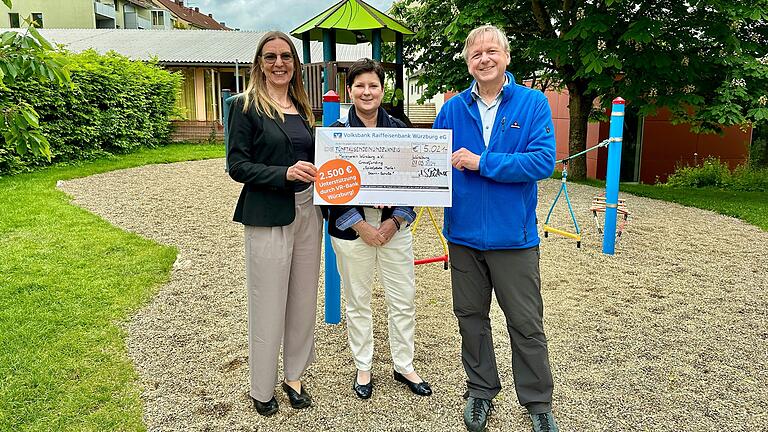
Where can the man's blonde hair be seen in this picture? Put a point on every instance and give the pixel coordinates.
(475, 34)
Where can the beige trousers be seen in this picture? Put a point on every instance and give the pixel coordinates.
(282, 269)
(357, 262)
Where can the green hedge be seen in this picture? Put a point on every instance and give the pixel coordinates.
(113, 106)
(714, 173)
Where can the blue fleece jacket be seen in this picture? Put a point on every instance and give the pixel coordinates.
(495, 207)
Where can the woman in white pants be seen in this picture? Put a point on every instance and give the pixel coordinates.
(365, 238)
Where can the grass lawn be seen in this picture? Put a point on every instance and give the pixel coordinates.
(67, 279)
(751, 207)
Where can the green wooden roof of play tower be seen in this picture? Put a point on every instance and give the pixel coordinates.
(353, 21)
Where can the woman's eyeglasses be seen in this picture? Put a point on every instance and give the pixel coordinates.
(271, 58)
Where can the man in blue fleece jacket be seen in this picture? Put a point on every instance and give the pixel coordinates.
(503, 142)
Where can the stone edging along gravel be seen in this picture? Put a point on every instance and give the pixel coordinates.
(669, 334)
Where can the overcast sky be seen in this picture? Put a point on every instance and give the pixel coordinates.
(261, 15)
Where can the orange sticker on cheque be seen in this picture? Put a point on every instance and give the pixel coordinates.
(337, 182)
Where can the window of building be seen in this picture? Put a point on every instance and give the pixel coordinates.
(37, 19)
(158, 18)
(14, 18)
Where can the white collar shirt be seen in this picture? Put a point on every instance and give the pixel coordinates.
(488, 111)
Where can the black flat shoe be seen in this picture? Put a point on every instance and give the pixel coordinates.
(266, 408)
(421, 389)
(297, 400)
(363, 391)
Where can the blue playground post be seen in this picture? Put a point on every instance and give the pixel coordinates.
(376, 44)
(331, 112)
(226, 103)
(612, 176)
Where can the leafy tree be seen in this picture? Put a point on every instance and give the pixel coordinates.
(706, 61)
(25, 56)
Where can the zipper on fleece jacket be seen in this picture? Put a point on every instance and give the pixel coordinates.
(483, 209)
(483, 183)
(525, 217)
(474, 114)
(525, 234)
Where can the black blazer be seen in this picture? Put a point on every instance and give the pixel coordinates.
(260, 153)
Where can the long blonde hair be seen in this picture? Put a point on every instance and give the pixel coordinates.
(256, 94)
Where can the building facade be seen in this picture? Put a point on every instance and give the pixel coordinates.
(107, 14)
(50, 13)
(421, 114)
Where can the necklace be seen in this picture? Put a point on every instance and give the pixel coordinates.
(290, 104)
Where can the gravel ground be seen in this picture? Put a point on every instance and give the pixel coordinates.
(670, 334)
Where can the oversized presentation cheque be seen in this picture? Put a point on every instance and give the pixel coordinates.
(383, 166)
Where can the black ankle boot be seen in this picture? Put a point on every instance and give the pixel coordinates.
(298, 400)
(266, 408)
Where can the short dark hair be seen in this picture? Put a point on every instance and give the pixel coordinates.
(364, 65)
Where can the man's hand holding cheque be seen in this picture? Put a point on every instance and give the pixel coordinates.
(463, 158)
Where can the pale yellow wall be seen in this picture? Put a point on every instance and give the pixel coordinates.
(119, 17)
(200, 94)
(145, 13)
(56, 13)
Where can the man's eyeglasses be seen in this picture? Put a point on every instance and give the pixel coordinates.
(271, 58)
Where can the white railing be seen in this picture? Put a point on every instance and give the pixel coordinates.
(134, 21)
(143, 23)
(104, 10)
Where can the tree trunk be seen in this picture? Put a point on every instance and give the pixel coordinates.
(758, 151)
(579, 107)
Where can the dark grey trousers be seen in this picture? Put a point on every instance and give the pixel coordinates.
(514, 276)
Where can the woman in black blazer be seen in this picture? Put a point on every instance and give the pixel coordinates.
(271, 151)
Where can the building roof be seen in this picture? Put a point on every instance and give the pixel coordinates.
(185, 47)
(192, 16)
